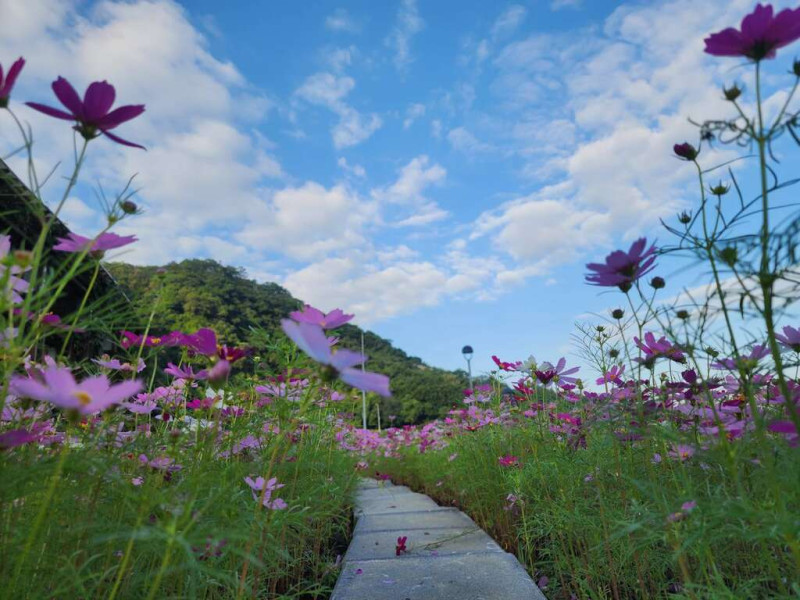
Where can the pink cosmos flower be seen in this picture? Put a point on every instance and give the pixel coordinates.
(59, 387)
(332, 320)
(508, 461)
(163, 463)
(7, 84)
(761, 34)
(682, 451)
(506, 366)
(790, 338)
(654, 349)
(92, 113)
(400, 547)
(263, 489)
(15, 285)
(612, 375)
(311, 340)
(105, 241)
(621, 268)
(547, 372)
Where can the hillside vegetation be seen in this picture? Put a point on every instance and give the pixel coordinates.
(203, 293)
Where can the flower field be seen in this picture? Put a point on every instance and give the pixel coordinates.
(174, 465)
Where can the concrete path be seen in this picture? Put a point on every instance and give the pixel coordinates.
(448, 557)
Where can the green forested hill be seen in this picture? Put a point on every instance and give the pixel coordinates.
(203, 293)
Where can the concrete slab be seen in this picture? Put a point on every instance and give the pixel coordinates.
(487, 576)
(420, 542)
(364, 484)
(391, 503)
(376, 492)
(438, 518)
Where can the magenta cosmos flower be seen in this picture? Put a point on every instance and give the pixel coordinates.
(332, 320)
(14, 285)
(311, 340)
(263, 489)
(59, 387)
(761, 34)
(7, 82)
(790, 338)
(621, 268)
(92, 113)
(105, 241)
(654, 349)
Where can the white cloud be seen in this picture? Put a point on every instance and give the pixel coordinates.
(356, 170)
(436, 129)
(560, 4)
(200, 113)
(599, 139)
(341, 21)
(408, 191)
(464, 141)
(329, 90)
(309, 221)
(508, 21)
(372, 293)
(408, 24)
(413, 112)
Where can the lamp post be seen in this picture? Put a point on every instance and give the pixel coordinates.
(467, 352)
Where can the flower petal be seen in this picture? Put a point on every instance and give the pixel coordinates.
(69, 97)
(97, 101)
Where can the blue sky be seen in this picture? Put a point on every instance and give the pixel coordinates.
(443, 169)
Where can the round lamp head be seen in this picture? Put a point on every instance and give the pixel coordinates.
(467, 352)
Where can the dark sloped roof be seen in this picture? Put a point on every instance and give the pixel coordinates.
(22, 216)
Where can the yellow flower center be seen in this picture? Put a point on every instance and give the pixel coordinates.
(83, 397)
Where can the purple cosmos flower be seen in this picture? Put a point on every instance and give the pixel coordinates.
(105, 241)
(263, 489)
(7, 84)
(203, 342)
(621, 268)
(790, 338)
(115, 364)
(682, 451)
(654, 349)
(761, 34)
(748, 363)
(787, 429)
(15, 285)
(309, 314)
(163, 463)
(59, 387)
(92, 113)
(311, 340)
(131, 339)
(558, 372)
(16, 437)
(185, 372)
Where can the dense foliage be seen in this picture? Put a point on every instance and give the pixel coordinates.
(203, 293)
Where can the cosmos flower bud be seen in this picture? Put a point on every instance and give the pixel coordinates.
(711, 352)
(732, 93)
(719, 189)
(796, 67)
(613, 353)
(23, 258)
(685, 217)
(682, 314)
(657, 283)
(618, 313)
(685, 151)
(128, 207)
(729, 256)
